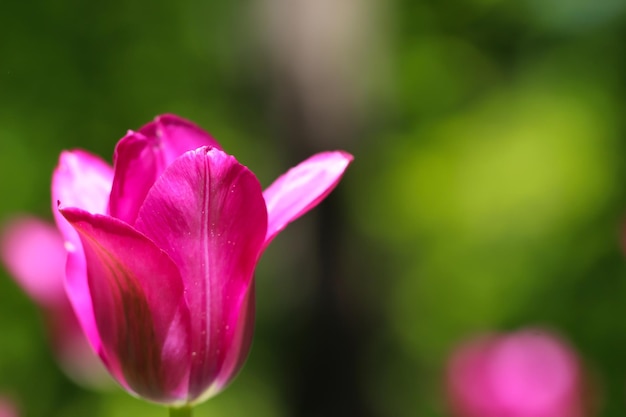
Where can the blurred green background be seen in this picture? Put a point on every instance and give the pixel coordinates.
(486, 193)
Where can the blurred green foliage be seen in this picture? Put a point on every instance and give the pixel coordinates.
(487, 191)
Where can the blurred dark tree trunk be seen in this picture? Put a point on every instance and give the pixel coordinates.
(320, 54)
(327, 344)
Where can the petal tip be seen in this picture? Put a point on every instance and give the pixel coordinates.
(338, 158)
(346, 155)
(170, 117)
(72, 214)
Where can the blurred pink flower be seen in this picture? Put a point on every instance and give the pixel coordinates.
(7, 408)
(531, 373)
(33, 253)
(162, 249)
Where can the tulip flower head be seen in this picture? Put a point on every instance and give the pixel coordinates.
(525, 374)
(162, 249)
(32, 251)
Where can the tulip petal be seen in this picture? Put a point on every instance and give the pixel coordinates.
(137, 165)
(140, 157)
(80, 180)
(238, 352)
(33, 252)
(207, 212)
(139, 306)
(176, 136)
(302, 188)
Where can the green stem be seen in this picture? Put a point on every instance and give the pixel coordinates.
(181, 412)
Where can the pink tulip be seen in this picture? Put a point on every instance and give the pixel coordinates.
(33, 253)
(162, 249)
(525, 374)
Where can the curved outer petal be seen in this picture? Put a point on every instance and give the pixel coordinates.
(139, 306)
(140, 157)
(80, 180)
(33, 252)
(73, 352)
(301, 188)
(242, 340)
(207, 212)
